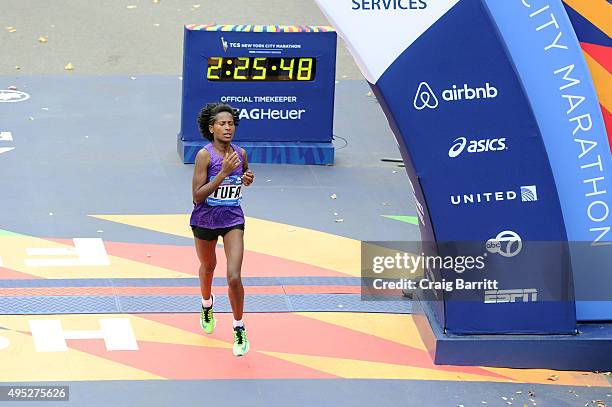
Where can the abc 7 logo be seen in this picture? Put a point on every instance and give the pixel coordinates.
(506, 243)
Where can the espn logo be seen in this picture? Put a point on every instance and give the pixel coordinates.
(498, 296)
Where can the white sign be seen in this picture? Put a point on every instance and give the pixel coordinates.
(377, 36)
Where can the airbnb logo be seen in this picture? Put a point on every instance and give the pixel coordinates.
(425, 97)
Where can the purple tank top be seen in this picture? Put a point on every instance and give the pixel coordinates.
(222, 208)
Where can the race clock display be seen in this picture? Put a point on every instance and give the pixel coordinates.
(280, 78)
(261, 69)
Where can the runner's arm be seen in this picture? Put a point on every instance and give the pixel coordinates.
(199, 187)
(247, 174)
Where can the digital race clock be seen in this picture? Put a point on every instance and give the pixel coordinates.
(281, 78)
(261, 69)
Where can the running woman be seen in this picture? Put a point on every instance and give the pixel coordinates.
(221, 170)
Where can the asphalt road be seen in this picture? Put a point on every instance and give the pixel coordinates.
(130, 37)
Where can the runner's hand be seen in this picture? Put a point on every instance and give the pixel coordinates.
(230, 163)
(247, 178)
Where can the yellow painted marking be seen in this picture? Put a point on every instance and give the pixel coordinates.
(602, 79)
(172, 224)
(153, 331)
(598, 12)
(144, 329)
(21, 362)
(393, 327)
(304, 245)
(13, 249)
(359, 369)
(294, 243)
(540, 376)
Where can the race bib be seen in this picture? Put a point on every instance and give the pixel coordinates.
(228, 193)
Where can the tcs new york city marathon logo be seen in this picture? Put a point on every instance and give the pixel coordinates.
(425, 97)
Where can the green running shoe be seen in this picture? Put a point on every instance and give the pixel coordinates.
(207, 320)
(241, 343)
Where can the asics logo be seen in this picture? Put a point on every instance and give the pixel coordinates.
(425, 97)
(476, 146)
(458, 147)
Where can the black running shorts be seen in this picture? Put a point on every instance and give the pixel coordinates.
(213, 234)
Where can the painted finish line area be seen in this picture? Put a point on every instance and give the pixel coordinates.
(183, 295)
(99, 277)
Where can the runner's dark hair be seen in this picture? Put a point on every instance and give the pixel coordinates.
(209, 114)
